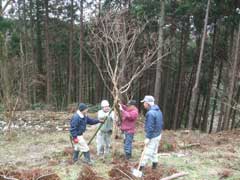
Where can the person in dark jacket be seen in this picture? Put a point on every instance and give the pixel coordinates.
(78, 125)
(153, 131)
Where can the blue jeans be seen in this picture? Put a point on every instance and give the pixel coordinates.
(128, 143)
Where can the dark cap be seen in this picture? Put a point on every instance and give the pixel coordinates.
(132, 102)
(82, 106)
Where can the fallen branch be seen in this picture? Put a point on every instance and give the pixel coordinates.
(164, 154)
(8, 178)
(45, 175)
(175, 176)
(124, 173)
(190, 145)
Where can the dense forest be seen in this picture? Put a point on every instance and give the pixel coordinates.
(184, 52)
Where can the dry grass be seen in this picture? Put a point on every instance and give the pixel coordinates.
(218, 155)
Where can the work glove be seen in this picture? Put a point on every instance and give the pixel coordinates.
(146, 141)
(101, 120)
(120, 107)
(75, 140)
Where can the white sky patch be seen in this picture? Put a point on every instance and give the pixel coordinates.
(90, 9)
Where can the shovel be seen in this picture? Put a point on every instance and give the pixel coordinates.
(137, 172)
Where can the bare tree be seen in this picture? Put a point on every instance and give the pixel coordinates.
(115, 37)
(10, 73)
(2, 9)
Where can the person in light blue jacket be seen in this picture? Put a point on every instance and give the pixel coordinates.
(153, 131)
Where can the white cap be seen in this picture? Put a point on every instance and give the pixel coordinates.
(104, 103)
(148, 99)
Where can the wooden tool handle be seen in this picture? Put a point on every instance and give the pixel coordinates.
(142, 156)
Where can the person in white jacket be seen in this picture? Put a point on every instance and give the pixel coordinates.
(103, 139)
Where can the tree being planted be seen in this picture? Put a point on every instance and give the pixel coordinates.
(126, 53)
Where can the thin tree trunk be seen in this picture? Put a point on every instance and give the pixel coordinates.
(166, 89)
(232, 83)
(187, 97)
(117, 119)
(0, 9)
(48, 58)
(26, 88)
(160, 52)
(210, 81)
(216, 97)
(201, 111)
(33, 56)
(22, 50)
(195, 88)
(81, 53)
(70, 61)
(179, 82)
(98, 88)
(39, 46)
(185, 37)
(195, 123)
(235, 111)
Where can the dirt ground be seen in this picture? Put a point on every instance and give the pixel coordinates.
(202, 156)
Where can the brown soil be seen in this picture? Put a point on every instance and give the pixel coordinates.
(37, 174)
(124, 171)
(87, 173)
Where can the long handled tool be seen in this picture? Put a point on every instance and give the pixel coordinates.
(137, 172)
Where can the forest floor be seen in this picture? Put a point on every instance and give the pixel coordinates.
(202, 156)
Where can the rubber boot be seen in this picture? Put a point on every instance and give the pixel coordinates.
(87, 158)
(75, 155)
(154, 165)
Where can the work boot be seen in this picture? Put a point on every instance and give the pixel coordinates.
(154, 165)
(128, 156)
(75, 155)
(141, 168)
(87, 158)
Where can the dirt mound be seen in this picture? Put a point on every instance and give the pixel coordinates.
(88, 174)
(37, 174)
(68, 151)
(122, 172)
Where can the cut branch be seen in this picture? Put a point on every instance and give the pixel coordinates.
(175, 176)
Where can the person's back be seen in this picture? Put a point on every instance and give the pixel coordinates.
(153, 131)
(154, 121)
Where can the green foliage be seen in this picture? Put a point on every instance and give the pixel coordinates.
(38, 106)
(5, 25)
(1, 108)
(146, 8)
(93, 108)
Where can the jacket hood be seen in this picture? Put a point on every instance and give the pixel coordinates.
(155, 108)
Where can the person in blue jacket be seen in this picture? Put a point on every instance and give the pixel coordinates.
(78, 125)
(153, 131)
